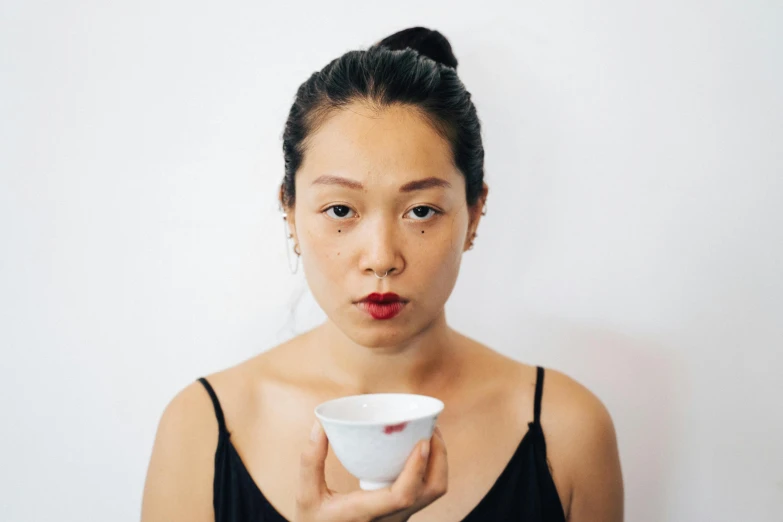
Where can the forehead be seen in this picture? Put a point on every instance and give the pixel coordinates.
(393, 144)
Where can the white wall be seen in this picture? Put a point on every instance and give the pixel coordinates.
(633, 237)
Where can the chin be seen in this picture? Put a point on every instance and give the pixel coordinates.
(378, 338)
(378, 334)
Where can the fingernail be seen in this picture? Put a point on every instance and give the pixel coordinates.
(315, 432)
(438, 433)
(425, 449)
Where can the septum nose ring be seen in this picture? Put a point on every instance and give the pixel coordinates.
(380, 277)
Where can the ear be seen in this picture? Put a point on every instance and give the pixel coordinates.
(475, 213)
(288, 214)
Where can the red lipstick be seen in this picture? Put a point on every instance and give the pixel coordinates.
(382, 306)
(382, 298)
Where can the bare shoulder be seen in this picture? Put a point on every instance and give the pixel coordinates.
(582, 449)
(567, 404)
(179, 476)
(181, 469)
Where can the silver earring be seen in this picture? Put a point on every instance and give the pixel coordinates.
(288, 236)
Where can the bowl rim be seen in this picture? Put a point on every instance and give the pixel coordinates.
(438, 403)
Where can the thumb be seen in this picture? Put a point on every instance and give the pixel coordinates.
(312, 481)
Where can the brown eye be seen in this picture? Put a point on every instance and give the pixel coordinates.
(340, 211)
(423, 213)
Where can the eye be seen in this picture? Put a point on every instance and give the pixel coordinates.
(422, 213)
(340, 211)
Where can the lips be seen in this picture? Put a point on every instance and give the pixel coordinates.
(382, 298)
(382, 306)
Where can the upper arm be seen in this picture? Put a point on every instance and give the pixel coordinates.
(597, 492)
(585, 448)
(178, 487)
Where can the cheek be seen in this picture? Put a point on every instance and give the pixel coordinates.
(436, 256)
(323, 253)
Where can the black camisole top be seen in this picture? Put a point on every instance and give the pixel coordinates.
(524, 491)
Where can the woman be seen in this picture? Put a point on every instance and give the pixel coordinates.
(383, 192)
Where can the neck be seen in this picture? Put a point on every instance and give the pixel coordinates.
(424, 364)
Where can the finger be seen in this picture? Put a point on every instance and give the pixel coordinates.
(312, 480)
(409, 486)
(436, 479)
(412, 475)
(402, 495)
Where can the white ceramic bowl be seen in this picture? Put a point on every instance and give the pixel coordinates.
(373, 435)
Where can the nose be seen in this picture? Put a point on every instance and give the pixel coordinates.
(381, 256)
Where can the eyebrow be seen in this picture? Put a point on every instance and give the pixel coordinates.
(412, 186)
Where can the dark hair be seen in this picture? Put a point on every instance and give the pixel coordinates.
(414, 67)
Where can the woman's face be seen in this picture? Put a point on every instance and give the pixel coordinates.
(378, 190)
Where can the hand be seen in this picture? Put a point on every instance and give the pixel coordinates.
(423, 480)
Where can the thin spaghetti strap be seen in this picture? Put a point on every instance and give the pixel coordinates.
(216, 403)
(539, 394)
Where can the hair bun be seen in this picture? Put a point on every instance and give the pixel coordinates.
(428, 42)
